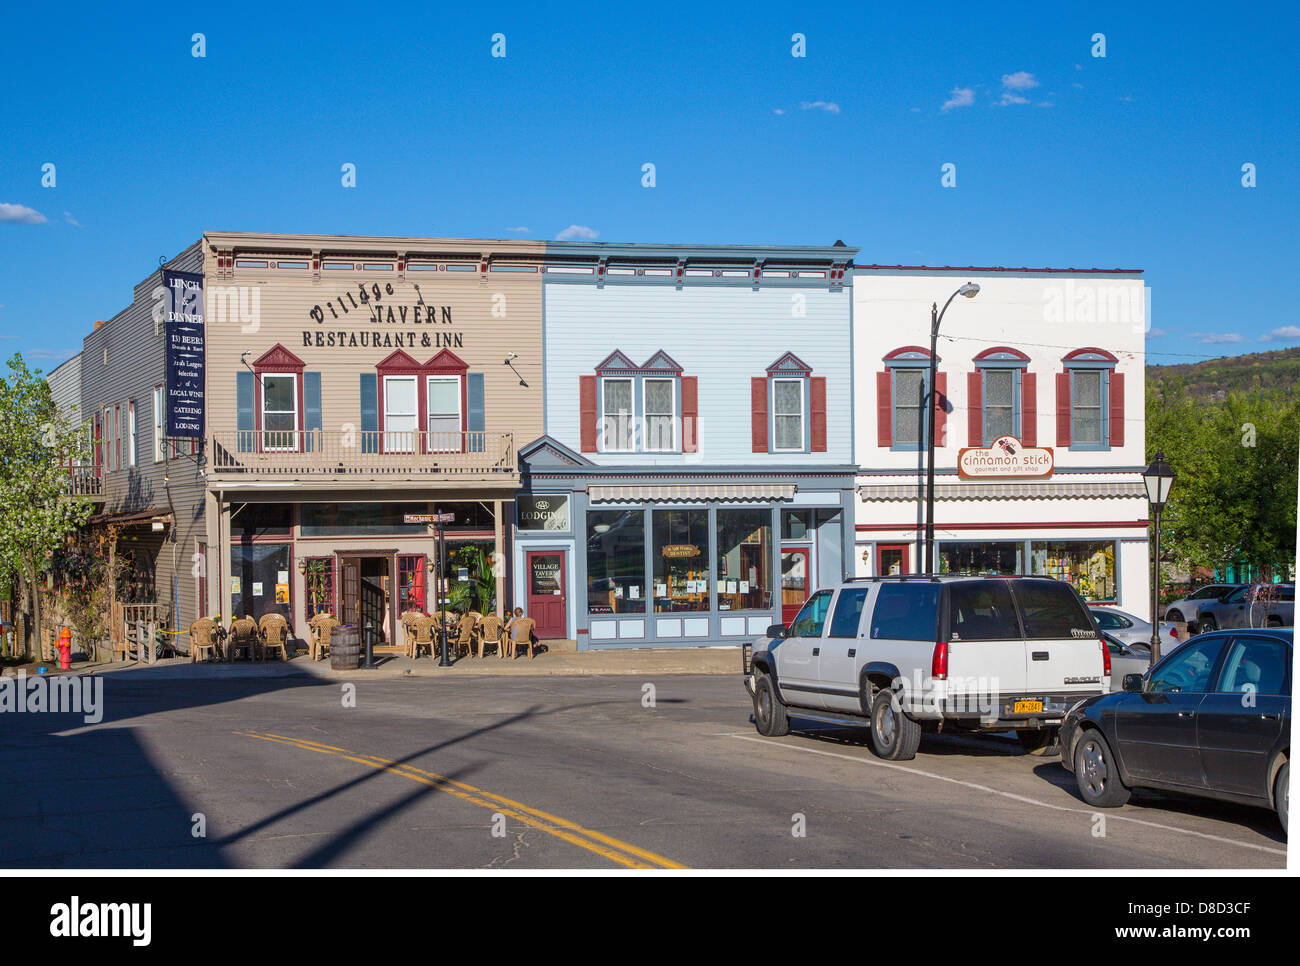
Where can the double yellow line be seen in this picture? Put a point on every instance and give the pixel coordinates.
(613, 849)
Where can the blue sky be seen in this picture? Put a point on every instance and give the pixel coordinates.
(1063, 159)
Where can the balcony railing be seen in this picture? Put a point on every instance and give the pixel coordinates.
(320, 454)
(84, 481)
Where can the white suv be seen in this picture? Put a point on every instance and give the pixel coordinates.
(913, 653)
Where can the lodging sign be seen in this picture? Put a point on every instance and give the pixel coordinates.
(1007, 457)
(543, 512)
(183, 302)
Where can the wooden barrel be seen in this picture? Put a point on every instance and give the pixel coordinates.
(345, 647)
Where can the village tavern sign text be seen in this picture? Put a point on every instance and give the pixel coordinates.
(369, 301)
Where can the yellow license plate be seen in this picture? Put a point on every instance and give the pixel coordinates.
(1026, 707)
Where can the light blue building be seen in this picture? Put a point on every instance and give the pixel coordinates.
(696, 479)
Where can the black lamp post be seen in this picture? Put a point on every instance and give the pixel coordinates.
(969, 290)
(1159, 480)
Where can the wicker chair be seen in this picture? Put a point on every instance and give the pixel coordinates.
(204, 637)
(243, 636)
(273, 632)
(465, 634)
(321, 625)
(424, 628)
(407, 620)
(489, 633)
(522, 634)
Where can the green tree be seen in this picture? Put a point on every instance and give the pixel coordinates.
(36, 514)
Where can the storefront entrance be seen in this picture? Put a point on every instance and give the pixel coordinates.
(795, 569)
(365, 597)
(547, 593)
(891, 560)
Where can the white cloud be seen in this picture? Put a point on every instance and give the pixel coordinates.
(20, 215)
(1010, 98)
(1212, 338)
(576, 231)
(828, 106)
(1156, 333)
(67, 216)
(1286, 332)
(961, 97)
(520, 228)
(1021, 80)
(778, 110)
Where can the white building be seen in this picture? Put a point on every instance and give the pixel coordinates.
(1040, 428)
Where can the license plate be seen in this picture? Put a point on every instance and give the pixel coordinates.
(1026, 707)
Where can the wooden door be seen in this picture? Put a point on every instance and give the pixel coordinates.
(350, 592)
(891, 559)
(547, 593)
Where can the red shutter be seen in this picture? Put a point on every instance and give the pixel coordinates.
(587, 404)
(758, 410)
(940, 409)
(817, 394)
(1062, 409)
(1029, 409)
(690, 414)
(1116, 409)
(975, 409)
(884, 408)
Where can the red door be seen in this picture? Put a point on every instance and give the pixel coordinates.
(796, 582)
(546, 593)
(891, 558)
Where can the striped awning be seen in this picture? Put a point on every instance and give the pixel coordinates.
(1004, 490)
(686, 493)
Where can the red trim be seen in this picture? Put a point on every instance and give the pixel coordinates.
(903, 567)
(758, 414)
(988, 353)
(1063, 410)
(1029, 410)
(884, 408)
(817, 413)
(690, 414)
(999, 268)
(1087, 351)
(909, 348)
(1116, 408)
(587, 412)
(1059, 525)
(974, 409)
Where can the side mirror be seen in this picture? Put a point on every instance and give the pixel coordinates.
(777, 632)
(1133, 683)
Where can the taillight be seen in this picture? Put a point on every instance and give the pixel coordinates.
(939, 663)
(1173, 632)
(1105, 657)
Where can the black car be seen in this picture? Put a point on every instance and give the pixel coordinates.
(1212, 719)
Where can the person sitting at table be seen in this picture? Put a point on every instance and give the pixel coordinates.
(519, 615)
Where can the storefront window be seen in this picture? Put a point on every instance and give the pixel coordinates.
(795, 524)
(361, 519)
(1089, 565)
(744, 572)
(982, 558)
(318, 576)
(412, 579)
(616, 581)
(259, 580)
(681, 560)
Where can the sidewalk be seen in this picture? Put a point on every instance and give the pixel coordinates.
(638, 661)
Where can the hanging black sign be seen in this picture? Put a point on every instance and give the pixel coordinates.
(184, 354)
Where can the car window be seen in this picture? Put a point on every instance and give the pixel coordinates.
(981, 612)
(1205, 593)
(1237, 596)
(1051, 610)
(906, 612)
(1286, 592)
(1255, 665)
(1188, 668)
(848, 612)
(812, 616)
(1108, 621)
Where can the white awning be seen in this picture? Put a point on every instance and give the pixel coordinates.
(1005, 490)
(756, 493)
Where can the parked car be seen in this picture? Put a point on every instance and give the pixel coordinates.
(1125, 659)
(1240, 608)
(1184, 609)
(1212, 719)
(1132, 630)
(903, 654)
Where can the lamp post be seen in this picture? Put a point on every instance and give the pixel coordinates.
(1159, 480)
(969, 290)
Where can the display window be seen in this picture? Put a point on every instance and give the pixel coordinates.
(681, 561)
(744, 571)
(1002, 558)
(616, 580)
(1089, 566)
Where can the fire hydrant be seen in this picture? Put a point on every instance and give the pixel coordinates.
(65, 649)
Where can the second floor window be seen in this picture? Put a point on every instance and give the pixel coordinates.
(279, 411)
(999, 404)
(787, 414)
(908, 390)
(618, 415)
(659, 414)
(158, 424)
(401, 414)
(444, 413)
(1086, 406)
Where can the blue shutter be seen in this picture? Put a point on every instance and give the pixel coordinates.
(244, 403)
(311, 407)
(369, 412)
(475, 417)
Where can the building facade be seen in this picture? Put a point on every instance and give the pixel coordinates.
(695, 481)
(1039, 425)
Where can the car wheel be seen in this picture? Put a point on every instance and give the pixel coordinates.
(1281, 792)
(894, 736)
(1207, 623)
(1174, 615)
(1096, 772)
(769, 713)
(1040, 742)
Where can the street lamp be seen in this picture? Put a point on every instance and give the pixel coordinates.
(969, 290)
(1159, 480)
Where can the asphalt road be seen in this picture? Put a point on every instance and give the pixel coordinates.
(549, 772)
